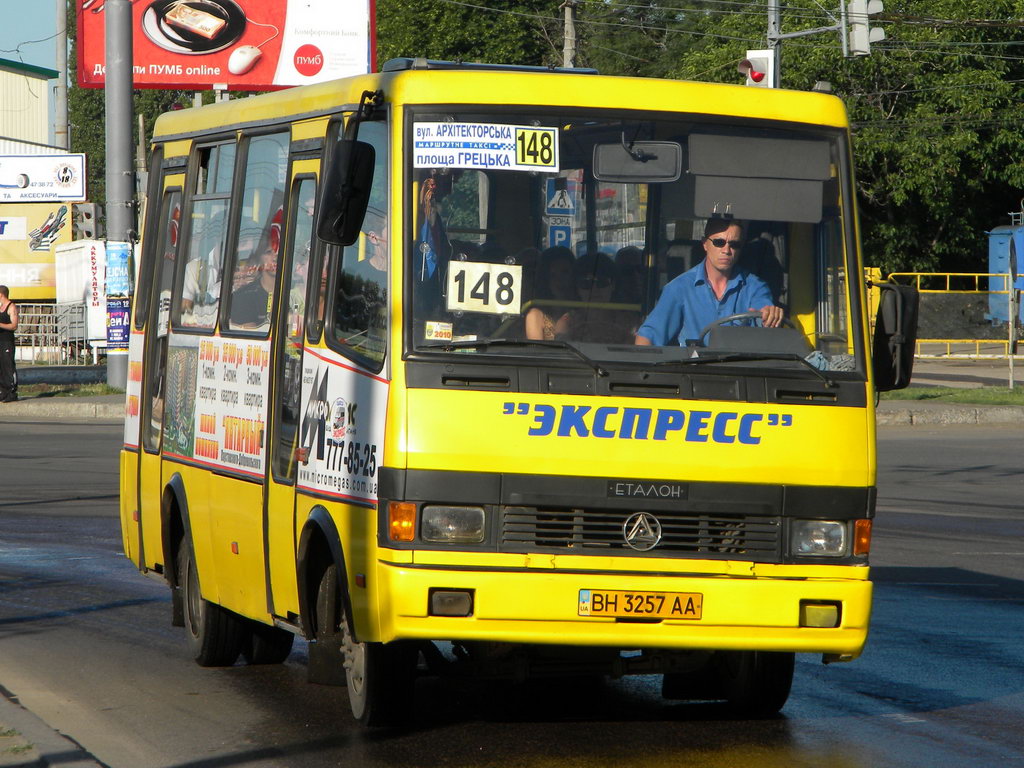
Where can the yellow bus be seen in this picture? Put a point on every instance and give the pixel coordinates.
(388, 389)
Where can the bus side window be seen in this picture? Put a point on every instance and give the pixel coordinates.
(253, 265)
(360, 308)
(294, 291)
(167, 229)
(198, 297)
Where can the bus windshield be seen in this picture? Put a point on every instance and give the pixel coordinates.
(569, 227)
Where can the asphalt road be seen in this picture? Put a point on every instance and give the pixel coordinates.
(85, 643)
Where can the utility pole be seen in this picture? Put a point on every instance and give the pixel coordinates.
(569, 38)
(775, 41)
(60, 118)
(120, 185)
(851, 22)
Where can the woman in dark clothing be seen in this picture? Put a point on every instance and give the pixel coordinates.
(8, 325)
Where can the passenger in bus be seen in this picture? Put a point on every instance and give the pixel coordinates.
(717, 287)
(433, 248)
(548, 319)
(252, 301)
(597, 321)
(200, 291)
(629, 276)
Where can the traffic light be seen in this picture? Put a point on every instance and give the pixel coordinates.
(862, 34)
(759, 67)
(87, 221)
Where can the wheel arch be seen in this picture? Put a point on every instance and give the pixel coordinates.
(319, 546)
(174, 525)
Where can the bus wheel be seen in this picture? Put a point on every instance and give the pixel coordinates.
(380, 681)
(265, 644)
(325, 654)
(379, 677)
(214, 635)
(757, 683)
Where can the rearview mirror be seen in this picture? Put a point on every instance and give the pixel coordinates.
(652, 162)
(345, 192)
(892, 353)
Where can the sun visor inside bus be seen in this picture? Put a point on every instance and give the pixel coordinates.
(757, 177)
(793, 200)
(759, 157)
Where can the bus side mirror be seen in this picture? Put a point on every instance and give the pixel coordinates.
(345, 192)
(892, 348)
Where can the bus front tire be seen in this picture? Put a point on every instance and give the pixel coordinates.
(758, 682)
(379, 677)
(214, 635)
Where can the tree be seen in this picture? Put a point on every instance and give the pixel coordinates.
(522, 32)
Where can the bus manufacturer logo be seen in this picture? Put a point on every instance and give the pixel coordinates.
(641, 531)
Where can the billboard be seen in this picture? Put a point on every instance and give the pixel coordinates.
(240, 45)
(29, 235)
(42, 178)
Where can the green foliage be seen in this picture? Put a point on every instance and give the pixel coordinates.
(938, 148)
(963, 395)
(523, 32)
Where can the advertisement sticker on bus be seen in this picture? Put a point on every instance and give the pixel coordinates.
(485, 146)
(342, 428)
(217, 401)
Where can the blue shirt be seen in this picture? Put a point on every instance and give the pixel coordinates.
(688, 304)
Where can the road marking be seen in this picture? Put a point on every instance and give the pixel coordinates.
(965, 515)
(905, 718)
(988, 554)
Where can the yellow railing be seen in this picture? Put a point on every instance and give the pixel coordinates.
(953, 283)
(949, 282)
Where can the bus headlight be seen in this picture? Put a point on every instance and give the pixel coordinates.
(452, 525)
(817, 538)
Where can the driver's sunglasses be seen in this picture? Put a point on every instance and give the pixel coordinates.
(719, 242)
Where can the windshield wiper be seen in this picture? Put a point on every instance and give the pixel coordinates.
(727, 357)
(555, 343)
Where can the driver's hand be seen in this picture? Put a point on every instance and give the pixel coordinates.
(771, 316)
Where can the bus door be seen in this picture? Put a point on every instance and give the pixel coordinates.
(155, 367)
(287, 386)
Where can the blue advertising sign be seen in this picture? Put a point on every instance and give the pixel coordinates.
(118, 274)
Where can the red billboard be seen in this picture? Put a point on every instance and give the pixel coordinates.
(240, 45)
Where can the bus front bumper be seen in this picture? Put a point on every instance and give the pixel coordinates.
(736, 612)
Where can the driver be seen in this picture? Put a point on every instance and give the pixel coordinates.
(713, 289)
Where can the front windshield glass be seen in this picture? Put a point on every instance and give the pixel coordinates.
(599, 231)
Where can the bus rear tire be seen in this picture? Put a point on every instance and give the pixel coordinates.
(214, 634)
(266, 644)
(758, 682)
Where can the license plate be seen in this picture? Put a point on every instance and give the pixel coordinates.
(655, 605)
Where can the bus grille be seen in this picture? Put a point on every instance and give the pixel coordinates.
(600, 531)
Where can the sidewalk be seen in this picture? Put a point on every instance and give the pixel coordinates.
(949, 372)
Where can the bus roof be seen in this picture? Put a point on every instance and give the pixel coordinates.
(477, 84)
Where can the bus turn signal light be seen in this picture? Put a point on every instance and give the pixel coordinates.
(401, 521)
(862, 537)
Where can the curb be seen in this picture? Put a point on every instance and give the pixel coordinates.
(949, 414)
(35, 744)
(57, 408)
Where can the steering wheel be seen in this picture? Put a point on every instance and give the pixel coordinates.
(749, 315)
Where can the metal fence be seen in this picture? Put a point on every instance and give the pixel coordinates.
(962, 314)
(54, 334)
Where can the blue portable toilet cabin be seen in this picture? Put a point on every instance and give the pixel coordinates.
(999, 241)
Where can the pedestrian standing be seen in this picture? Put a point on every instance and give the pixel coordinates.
(8, 325)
